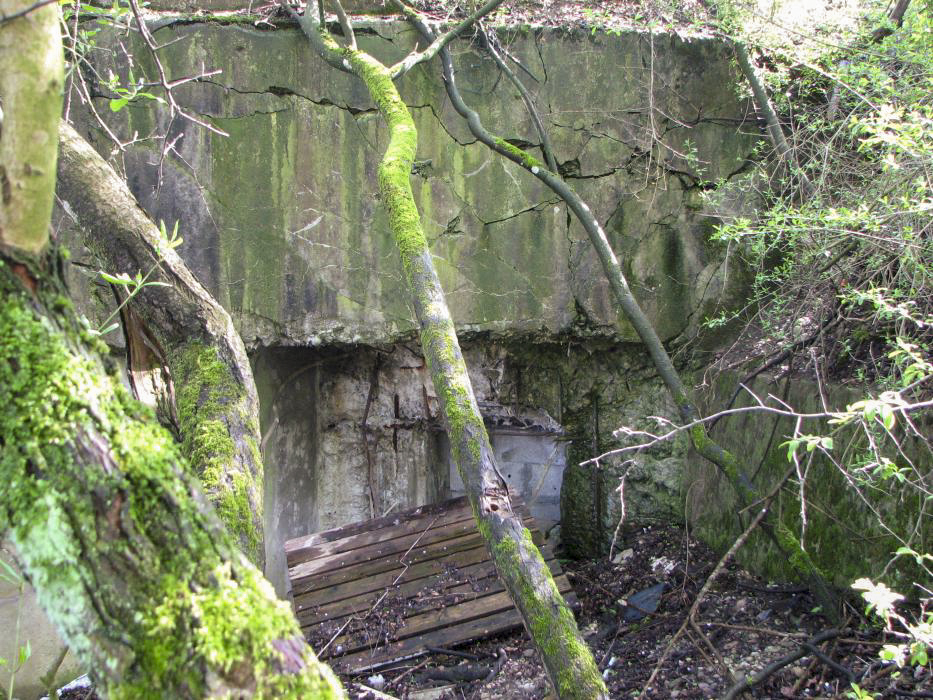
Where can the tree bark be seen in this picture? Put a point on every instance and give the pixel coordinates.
(31, 85)
(548, 619)
(217, 404)
(126, 556)
(123, 550)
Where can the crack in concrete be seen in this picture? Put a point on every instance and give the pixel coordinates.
(283, 92)
(442, 124)
(535, 208)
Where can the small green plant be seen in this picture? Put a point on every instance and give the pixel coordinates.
(126, 94)
(134, 285)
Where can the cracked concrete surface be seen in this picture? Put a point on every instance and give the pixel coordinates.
(282, 221)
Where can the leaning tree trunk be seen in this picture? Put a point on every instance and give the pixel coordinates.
(126, 555)
(191, 334)
(548, 619)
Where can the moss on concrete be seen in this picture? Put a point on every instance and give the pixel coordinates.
(841, 538)
(252, 176)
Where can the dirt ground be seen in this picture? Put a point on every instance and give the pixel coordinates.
(743, 625)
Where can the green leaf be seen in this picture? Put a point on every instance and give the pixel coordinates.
(887, 417)
(122, 279)
(118, 103)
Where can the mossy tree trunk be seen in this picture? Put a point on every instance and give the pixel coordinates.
(549, 621)
(31, 83)
(217, 404)
(125, 553)
(127, 557)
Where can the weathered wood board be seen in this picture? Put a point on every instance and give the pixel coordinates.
(377, 592)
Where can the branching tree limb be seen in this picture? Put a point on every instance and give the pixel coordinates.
(218, 408)
(441, 41)
(610, 263)
(546, 148)
(550, 623)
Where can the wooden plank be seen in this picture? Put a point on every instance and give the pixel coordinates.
(421, 625)
(450, 636)
(482, 575)
(382, 548)
(379, 581)
(429, 572)
(390, 561)
(452, 509)
(346, 545)
(302, 549)
(336, 533)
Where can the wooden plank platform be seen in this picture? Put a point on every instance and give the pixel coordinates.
(377, 592)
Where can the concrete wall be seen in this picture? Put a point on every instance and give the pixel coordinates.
(281, 219)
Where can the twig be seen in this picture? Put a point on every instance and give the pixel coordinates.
(656, 439)
(713, 650)
(837, 667)
(398, 679)
(776, 360)
(382, 597)
(167, 84)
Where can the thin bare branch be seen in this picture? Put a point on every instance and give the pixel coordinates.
(440, 42)
(167, 84)
(775, 131)
(720, 567)
(760, 407)
(492, 48)
(345, 24)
